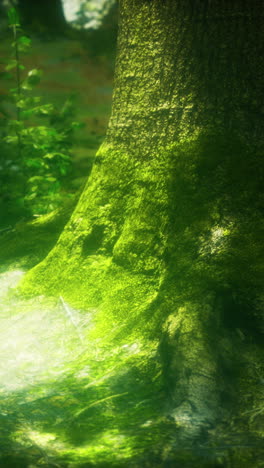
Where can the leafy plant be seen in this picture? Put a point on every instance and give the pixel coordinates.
(36, 154)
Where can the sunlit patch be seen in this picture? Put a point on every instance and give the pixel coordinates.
(9, 280)
(70, 8)
(133, 348)
(68, 389)
(83, 373)
(215, 242)
(91, 14)
(38, 338)
(99, 449)
(41, 438)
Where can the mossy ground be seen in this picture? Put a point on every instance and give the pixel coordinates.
(166, 300)
(73, 396)
(95, 393)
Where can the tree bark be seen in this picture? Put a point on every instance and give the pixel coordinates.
(166, 238)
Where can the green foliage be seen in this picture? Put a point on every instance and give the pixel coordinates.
(36, 136)
(13, 17)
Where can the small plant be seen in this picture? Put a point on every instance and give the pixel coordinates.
(37, 155)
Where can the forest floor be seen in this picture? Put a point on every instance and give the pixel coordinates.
(66, 398)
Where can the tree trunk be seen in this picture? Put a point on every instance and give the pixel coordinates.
(166, 240)
(42, 15)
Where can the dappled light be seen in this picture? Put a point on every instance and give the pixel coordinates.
(37, 338)
(60, 388)
(131, 234)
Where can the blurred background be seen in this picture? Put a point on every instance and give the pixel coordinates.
(73, 44)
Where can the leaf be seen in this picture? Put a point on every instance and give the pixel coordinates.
(31, 196)
(11, 139)
(35, 72)
(26, 86)
(53, 155)
(38, 110)
(33, 163)
(63, 170)
(38, 134)
(45, 109)
(34, 76)
(22, 103)
(13, 17)
(24, 40)
(36, 179)
(49, 156)
(32, 79)
(12, 64)
(77, 125)
(14, 92)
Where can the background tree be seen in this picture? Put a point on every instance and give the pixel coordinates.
(97, 23)
(43, 15)
(166, 240)
(91, 13)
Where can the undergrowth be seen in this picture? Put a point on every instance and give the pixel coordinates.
(36, 137)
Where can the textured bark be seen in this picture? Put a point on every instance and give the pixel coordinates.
(166, 238)
(186, 65)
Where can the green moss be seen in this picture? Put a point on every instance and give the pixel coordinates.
(156, 252)
(27, 243)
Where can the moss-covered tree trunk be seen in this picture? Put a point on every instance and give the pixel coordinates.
(166, 239)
